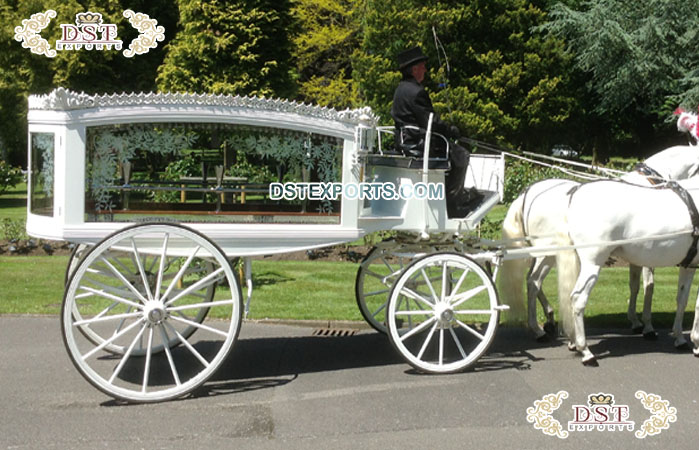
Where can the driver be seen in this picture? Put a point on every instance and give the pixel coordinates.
(412, 106)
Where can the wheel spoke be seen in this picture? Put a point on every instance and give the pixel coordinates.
(441, 346)
(473, 311)
(166, 345)
(421, 312)
(146, 369)
(161, 270)
(427, 340)
(78, 323)
(189, 347)
(144, 278)
(415, 296)
(444, 281)
(461, 298)
(418, 328)
(110, 340)
(180, 273)
(208, 280)
(458, 343)
(127, 355)
(200, 326)
(110, 296)
(379, 292)
(202, 305)
(461, 280)
(429, 284)
(470, 330)
(123, 279)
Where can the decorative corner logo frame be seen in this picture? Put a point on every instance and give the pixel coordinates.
(89, 32)
(601, 413)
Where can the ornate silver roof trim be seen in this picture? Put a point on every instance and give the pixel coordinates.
(61, 99)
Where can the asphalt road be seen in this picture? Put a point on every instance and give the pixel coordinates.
(284, 388)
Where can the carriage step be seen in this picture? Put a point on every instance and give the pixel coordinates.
(334, 332)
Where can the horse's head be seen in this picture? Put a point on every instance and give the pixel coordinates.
(687, 122)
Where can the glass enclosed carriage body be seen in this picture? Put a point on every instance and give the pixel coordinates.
(99, 163)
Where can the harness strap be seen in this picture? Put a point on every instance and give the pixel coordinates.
(654, 177)
(694, 216)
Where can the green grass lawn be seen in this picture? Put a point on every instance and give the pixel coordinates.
(320, 290)
(13, 203)
(306, 289)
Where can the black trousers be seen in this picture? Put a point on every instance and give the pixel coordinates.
(456, 177)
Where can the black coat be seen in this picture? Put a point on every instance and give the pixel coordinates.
(412, 106)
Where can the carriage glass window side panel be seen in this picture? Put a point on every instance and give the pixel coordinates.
(41, 189)
(194, 172)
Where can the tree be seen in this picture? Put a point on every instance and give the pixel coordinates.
(639, 60)
(507, 83)
(23, 73)
(323, 48)
(230, 47)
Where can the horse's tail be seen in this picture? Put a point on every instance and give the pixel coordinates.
(568, 268)
(512, 272)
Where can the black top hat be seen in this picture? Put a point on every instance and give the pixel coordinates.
(409, 57)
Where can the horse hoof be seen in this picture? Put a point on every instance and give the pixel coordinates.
(591, 362)
(550, 329)
(651, 336)
(696, 352)
(572, 347)
(683, 347)
(637, 330)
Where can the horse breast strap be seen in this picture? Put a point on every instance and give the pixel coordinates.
(694, 216)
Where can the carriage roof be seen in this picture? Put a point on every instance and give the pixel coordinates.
(65, 106)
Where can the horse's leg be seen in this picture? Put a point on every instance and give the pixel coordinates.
(634, 284)
(695, 328)
(535, 279)
(648, 286)
(589, 274)
(550, 325)
(684, 284)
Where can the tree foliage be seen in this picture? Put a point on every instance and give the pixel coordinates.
(230, 47)
(23, 73)
(506, 83)
(639, 59)
(328, 34)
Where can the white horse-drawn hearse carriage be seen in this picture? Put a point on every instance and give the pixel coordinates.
(150, 189)
(166, 195)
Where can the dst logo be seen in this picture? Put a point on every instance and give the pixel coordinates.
(600, 413)
(89, 32)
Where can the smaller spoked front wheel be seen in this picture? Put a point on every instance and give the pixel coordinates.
(442, 313)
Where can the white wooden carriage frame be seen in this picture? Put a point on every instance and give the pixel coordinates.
(140, 269)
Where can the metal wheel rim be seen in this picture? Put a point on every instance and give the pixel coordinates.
(152, 316)
(375, 315)
(443, 328)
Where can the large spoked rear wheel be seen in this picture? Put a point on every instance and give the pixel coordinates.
(141, 293)
(442, 313)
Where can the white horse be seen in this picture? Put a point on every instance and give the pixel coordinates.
(534, 218)
(648, 227)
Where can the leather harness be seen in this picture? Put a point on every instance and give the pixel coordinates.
(693, 215)
(653, 176)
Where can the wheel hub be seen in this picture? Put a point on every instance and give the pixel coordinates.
(154, 312)
(444, 313)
